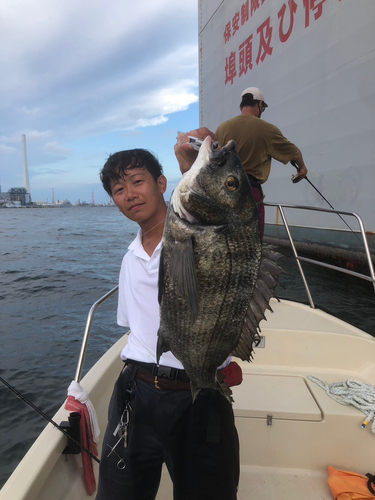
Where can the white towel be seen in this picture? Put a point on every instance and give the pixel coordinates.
(81, 395)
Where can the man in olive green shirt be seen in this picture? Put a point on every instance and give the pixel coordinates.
(257, 143)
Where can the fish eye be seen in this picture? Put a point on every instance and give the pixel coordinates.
(231, 183)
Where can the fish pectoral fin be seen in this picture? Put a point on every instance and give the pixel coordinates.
(161, 346)
(161, 278)
(183, 274)
(264, 290)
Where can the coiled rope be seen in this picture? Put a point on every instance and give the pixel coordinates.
(351, 392)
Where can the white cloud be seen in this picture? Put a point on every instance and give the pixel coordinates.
(150, 122)
(7, 149)
(74, 70)
(31, 136)
(56, 149)
(30, 111)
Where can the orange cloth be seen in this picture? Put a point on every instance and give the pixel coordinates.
(346, 485)
(87, 441)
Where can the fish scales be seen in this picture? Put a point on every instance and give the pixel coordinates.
(210, 262)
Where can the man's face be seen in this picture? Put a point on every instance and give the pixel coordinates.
(137, 195)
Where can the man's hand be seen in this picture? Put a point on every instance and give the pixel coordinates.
(185, 153)
(302, 170)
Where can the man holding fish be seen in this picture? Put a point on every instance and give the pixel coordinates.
(152, 417)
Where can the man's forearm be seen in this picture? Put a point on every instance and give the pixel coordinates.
(185, 153)
(298, 158)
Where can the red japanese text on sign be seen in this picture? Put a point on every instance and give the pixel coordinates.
(244, 12)
(227, 33)
(292, 10)
(312, 5)
(241, 17)
(265, 32)
(246, 55)
(230, 68)
(255, 5)
(236, 23)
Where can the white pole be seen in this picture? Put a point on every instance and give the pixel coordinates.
(26, 182)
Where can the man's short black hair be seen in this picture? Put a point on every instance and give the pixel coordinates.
(117, 164)
(248, 100)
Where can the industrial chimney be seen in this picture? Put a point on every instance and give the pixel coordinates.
(26, 182)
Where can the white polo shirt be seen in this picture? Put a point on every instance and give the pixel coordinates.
(138, 306)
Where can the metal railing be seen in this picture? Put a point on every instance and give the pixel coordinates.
(299, 259)
(86, 335)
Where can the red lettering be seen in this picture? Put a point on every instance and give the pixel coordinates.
(227, 33)
(265, 32)
(244, 12)
(230, 68)
(235, 22)
(246, 55)
(255, 4)
(292, 10)
(312, 5)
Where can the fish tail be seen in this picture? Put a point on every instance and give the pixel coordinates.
(226, 391)
(194, 390)
(223, 387)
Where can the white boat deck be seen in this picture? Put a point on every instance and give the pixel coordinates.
(270, 483)
(285, 460)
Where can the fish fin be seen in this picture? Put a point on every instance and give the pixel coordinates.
(226, 391)
(263, 291)
(161, 278)
(223, 387)
(161, 346)
(183, 274)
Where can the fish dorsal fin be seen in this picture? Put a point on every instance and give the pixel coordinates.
(183, 274)
(267, 281)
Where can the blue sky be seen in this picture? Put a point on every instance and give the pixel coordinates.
(86, 79)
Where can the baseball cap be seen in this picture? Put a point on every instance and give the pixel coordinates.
(256, 93)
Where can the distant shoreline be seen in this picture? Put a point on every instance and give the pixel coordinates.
(58, 206)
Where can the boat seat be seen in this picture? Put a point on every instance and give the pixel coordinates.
(283, 397)
(288, 421)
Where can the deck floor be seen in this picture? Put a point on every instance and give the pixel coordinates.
(265, 483)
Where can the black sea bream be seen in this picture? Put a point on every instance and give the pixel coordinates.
(215, 278)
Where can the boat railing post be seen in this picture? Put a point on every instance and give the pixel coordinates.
(312, 305)
(86, 335)
(367, 250)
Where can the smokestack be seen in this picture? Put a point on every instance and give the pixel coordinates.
(26, 182)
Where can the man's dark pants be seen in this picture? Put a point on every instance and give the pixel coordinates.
(197, 441)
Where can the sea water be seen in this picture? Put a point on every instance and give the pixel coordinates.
(55, 263)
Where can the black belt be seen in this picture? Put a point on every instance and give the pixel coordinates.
(253, 181)
(161, 372)
(162, 383)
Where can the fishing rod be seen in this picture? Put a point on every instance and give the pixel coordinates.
(196, 144)
(296, 179)
(46, 417)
